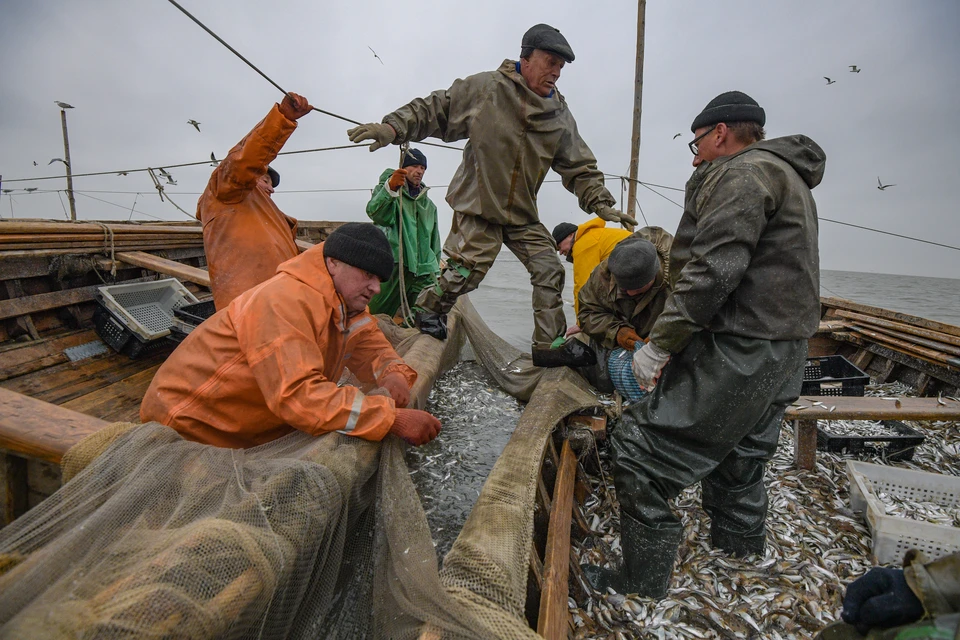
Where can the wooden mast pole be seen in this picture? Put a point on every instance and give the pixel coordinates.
(637, 102)
(66, 157)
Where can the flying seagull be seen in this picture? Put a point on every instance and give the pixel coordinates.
(196, 125)
(58, 160)
(829, 81)
(882, 186)
(213, 160)
(170, 180)
(375, 54)
(854, 69)
(63, 105)
(35, 163)
(677, 136)
(165, 174)
(30, 189)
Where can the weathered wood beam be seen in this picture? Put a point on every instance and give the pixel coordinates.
(866, 408)
(552, 623)
(166, 267)
(36, 429)
(44, 301)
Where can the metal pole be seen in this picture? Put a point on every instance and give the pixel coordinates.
(66, 157)
(637, 102)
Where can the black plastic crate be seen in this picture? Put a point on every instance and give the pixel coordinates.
(899, 446)
(832, 376)
(121, 339)
(197, 312)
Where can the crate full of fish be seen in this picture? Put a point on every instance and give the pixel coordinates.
(906, 509)
(889, 439)
(833, 376)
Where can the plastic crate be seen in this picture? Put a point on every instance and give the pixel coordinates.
(120, 338)
(195, 313)
(898, 446)
(145, 308)
(893, 536)
(832, 376)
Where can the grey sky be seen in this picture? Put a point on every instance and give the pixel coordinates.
(137, 70)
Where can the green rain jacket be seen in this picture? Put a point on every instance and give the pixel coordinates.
(605, 308)
(421, 236)
(513, 138)
(745, 259)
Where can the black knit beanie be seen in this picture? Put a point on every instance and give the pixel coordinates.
(732, 106)
(361, 245)
(634, 263)
(274, 177)
(414, 157)
(562, 230)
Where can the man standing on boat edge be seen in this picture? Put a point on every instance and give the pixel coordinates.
(517, 127)
(726, 356)
(401, 208)
(245, 235)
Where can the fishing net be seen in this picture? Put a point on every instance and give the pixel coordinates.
(303, 537)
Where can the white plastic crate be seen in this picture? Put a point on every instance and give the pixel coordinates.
(146, 308)
(893, 536)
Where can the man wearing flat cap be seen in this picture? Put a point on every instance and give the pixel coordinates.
(245, 235)
(727, 354)
(270, 363)
(402, 209)
(517, 127)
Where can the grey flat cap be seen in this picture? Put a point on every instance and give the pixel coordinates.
(543, 36)
(634, 263)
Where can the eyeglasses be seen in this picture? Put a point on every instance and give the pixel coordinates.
(694, 146)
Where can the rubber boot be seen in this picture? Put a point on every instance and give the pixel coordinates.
(648, 558)
(739, 543)
(572, 353)
(432, 324)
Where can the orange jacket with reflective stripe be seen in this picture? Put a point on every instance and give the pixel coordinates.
(245, 235)
(270, 362)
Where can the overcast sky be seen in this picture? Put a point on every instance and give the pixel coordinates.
(137, 70)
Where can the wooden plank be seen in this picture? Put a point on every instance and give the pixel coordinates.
(303, 245)
(899, 327)
(44, 253)
(597, 424)
(117, 402)
(857, 408)
(166, 267)
(862, 359)
(805, 444)
(932, 369)
(840, 303)
(44, 301)
(37, 429)
(552, 623)
(15, 490)
(41, 227)
(15, 291)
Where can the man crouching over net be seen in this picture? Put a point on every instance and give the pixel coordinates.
(270, 362)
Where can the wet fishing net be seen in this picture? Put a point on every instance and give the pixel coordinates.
(303, 537)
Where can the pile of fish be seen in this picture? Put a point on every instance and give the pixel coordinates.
(921, 510)
(815, 547)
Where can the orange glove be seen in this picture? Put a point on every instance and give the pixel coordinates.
(294, 106)
(415, 427)
(397, 179)
(396, 384)
(628, 338)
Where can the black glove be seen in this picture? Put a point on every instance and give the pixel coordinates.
(881, 598)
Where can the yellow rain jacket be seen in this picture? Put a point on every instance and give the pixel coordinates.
(592, 245)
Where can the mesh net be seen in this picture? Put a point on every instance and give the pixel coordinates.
(158, 537)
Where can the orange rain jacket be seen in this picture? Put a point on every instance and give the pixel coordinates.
(245, 235)
(270, 362)
(591, 246)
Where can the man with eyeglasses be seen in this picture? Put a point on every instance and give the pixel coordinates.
(726, 356)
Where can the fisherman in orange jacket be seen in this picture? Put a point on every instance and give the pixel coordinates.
(270, 362)
(245, 235)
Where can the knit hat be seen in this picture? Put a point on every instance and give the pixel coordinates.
(543, 36)
(361, 245)
(414, 157)
(634, 263)
(562, 230)
(274, 177)
(732, 106)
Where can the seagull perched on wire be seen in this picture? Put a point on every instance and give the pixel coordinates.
(121, 173)
(882, 186)
(829, 81)
(213, 160)
(30, 189)
(7, 190)
(58, 160)
(677, 136)
(196, 125)
(63, 105)
(854, 69)
(375, 54)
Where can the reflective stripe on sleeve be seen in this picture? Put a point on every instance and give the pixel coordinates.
(354, 414)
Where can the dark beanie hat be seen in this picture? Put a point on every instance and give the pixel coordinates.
(732, 106)
(543, 36)
(562, 230)
(274, 177)
(634, 263)
(361, 245)
(414, 157)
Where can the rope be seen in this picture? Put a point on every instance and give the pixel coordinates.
(108, 235)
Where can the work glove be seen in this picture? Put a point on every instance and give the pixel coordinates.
(881, 598)
(628, 338)
(648, 362)
(572, 331)
(397, 179)
(415, 427)
(381, 134)
(608, 213)
(294, 106)
(396, 384)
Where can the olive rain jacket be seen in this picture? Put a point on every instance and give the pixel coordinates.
(592, 244)
(605, 308)
(421, 235)
(513, 138)
(745, 259)
(936, 584)
(270, 362)
(245, 235)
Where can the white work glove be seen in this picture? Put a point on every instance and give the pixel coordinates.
(608, 213)
(381, 134)
(648, 362)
